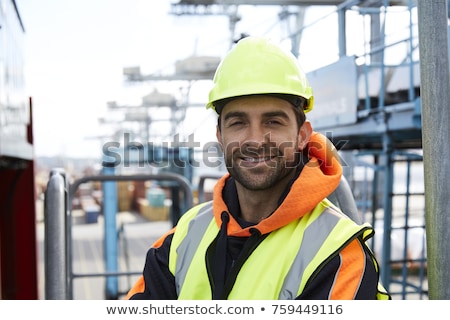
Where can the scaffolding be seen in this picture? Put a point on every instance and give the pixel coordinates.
(369, 105)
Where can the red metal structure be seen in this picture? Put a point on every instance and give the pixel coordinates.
(18, 228)
(18, 245)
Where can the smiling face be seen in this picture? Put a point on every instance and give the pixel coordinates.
(261, 141)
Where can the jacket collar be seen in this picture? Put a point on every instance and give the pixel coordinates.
(318, 179)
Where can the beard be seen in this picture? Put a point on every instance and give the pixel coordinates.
(262, 176)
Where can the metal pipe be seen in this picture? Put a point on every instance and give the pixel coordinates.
(55, 237)
(182, 182)
(201, 185)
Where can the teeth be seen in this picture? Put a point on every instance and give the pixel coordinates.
(256, 159)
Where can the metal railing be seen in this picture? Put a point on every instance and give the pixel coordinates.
(59, 274)
(390, 196)
(201, 184)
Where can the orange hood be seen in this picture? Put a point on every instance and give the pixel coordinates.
(318, 179)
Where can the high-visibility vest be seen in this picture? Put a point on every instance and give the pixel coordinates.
(279, 268)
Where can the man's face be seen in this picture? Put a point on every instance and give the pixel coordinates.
(260, 139)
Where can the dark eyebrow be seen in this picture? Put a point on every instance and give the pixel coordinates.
(235, 114)
(270, 114)
(281, 114)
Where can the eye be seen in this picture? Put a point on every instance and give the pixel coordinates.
(274, 122)
(234, 123)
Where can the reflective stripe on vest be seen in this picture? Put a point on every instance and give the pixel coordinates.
(316, 237)
(325, 235)
(189, 244)
(311, 243)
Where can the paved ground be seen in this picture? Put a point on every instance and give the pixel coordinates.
(136, 237)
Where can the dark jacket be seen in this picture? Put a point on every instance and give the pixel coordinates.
(350, 273)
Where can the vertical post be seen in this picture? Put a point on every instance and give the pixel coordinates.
(55, 238)
(342, 28)
(435, 94)
(387, 208)
(176, 210)
(110, 208)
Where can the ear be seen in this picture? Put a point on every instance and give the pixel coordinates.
(304, 135)
(219, 137)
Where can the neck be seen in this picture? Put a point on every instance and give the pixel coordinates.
(257, 205)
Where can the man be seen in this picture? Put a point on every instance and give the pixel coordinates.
(270, 232)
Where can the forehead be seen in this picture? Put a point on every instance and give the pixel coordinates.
(254, 105)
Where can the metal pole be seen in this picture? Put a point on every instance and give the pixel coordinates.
(435, 93)
(110, 238)
(388, 181)
(342, 36)
(55, 238)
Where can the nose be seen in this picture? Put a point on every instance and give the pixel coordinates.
(256, 139)
(256, 135)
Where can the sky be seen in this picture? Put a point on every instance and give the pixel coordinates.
(75, 52)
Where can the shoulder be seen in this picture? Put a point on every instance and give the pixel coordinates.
(194, 211)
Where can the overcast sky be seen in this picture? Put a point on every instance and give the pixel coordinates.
(75, 52)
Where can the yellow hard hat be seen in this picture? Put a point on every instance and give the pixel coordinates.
(257, 65)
